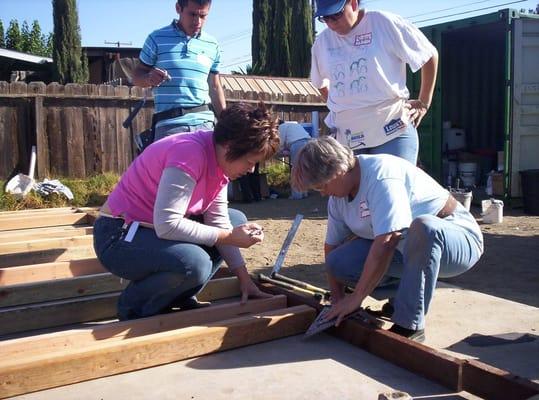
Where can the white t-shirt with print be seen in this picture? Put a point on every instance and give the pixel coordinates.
(365, 73)
(290, 132)
(367, 67)
(392, 193)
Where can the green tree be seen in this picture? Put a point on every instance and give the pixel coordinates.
(2, 41)
(49, 41)
(282, 37)
(13, 36)
(37, 43)
(25, 37)
(70, 64)
(262, 31)
(301, 38)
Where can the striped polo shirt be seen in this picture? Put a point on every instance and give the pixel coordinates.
(188, 61)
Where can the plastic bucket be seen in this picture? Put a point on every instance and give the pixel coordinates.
(530, 190)
(492, 211)
(468, 173)
(464, 198)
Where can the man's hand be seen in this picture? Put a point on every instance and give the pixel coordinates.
(250, 290)
(157, 76)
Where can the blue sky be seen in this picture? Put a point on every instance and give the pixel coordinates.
(130, 21)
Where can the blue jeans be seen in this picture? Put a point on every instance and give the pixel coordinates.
(295, 147)
(161, 271)
(433, 247)
(404, 146)
(171, 129)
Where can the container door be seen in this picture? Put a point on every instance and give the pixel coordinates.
(430, 130)
(524, 144)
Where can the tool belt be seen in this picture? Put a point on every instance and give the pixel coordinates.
(449, 207)
(177, 112)
(146, 138)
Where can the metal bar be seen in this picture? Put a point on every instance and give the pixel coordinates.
(286, 245)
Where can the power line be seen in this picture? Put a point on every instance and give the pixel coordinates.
(238, 63)
(448, 9)
(467, 12)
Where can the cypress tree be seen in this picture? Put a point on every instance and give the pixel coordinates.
(70, 65)
(13, 36)
(2, 41)
(301, 38)
(279, 61)
(260, 37)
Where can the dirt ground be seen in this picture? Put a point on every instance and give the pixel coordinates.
(509, 268)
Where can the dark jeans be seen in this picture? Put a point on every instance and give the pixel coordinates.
(161, 271)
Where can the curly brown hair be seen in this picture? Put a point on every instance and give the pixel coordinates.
(246, 128)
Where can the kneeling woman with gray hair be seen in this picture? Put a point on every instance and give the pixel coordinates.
(402, 223)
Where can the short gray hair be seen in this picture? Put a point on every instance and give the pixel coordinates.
(319, 161)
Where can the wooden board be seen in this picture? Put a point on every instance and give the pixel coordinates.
(84, 336)
(49, 271)
(41, 233)
(24, 222)
(47, 256)
(28, 293)
(25, 375)
(28, 246)
(90, 308)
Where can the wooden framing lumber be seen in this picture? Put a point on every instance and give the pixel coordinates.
(58, 289)
(454, 373)
(29, 246)
(47, 255)
(25, 274)
(48, 232)
(45, 371)
(84, 336)
(90, 308)
(45, 220)
(495, 384)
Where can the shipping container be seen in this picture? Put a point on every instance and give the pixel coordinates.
(488, 86)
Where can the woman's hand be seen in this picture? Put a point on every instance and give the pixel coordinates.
(249, 291)
(248, 287)
(342, 308)
(242, 236)
(416, 111)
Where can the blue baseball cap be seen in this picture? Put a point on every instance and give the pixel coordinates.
(328, 7)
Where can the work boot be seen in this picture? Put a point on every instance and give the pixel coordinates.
(189, 303)
(386, 312)
(417, 335)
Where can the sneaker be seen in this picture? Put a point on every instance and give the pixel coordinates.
(417, 335)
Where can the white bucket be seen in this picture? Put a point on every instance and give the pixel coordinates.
(492, 211)
(468, 173)
(464, 198)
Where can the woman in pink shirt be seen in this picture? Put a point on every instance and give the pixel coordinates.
(166, 226)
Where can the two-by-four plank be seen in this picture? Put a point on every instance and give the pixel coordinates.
(29, 246)
(45, 220)
(26, 274)
(47, 256)
(76, 338)
(89, 308)
(45, 233)
(113, 357)
(58, 289)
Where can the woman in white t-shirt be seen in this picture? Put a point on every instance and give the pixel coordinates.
(359, 66)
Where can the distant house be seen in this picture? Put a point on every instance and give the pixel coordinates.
(110, 64)
(16, 66)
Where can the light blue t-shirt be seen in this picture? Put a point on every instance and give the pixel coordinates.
(189, 61)
(392, 193)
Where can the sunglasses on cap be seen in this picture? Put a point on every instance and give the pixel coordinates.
(333, 17)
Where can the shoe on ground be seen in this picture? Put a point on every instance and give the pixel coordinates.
(190, 303)
(417, 335)
(386, 312)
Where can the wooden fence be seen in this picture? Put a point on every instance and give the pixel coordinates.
(78, 128)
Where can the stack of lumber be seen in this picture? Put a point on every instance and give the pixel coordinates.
(58, 307)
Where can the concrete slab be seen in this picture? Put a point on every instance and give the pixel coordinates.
(321, 368)
(469, 324)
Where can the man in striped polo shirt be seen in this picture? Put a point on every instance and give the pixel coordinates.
(181, 62)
